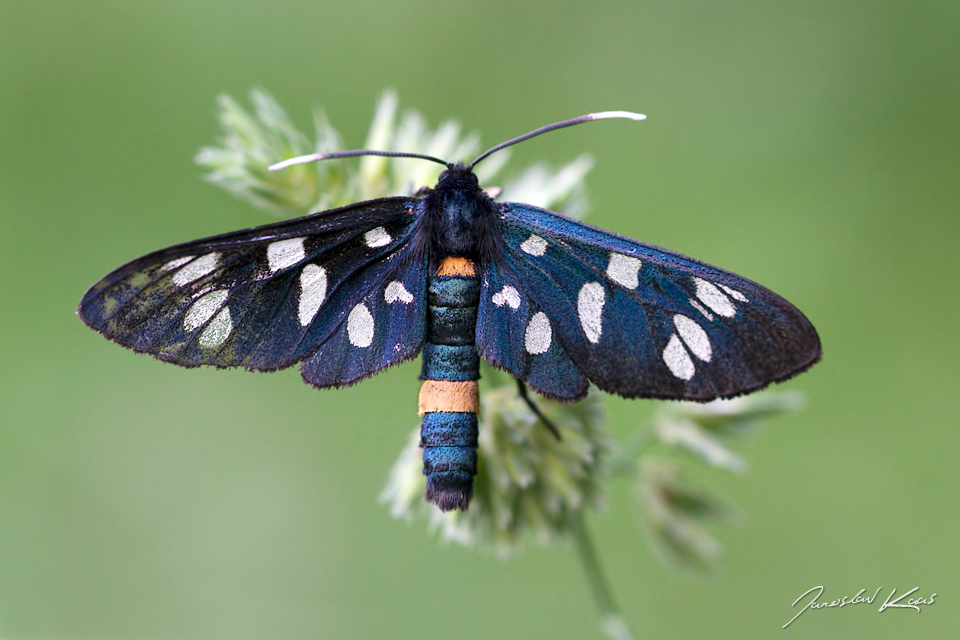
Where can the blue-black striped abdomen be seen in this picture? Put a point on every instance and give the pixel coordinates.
(448, 398)
(449, 441)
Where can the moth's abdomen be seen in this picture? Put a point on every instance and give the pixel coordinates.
(449, 398)
(449, 441)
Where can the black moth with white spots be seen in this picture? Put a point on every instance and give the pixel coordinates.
(344, 293)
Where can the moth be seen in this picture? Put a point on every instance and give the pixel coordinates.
(456, 276)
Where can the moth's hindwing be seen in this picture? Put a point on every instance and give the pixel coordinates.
(387, 326)
(263, 298)
(514, 334)
(638, 320)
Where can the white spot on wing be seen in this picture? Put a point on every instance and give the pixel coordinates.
(218, 330)
(590, 309)
(377, 237)
(196, 269)
(396, 291)
(173, 264)
(694, 336)
(733, 293)
(203, 309)
(696, 305)
(624, 270)
(537, 337)
(360, 326)
(534, 245)
(508, 296)
(677, 359)
(285, 253)
(313, 289)
(714, 298)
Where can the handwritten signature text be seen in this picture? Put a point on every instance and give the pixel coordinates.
(889, 603)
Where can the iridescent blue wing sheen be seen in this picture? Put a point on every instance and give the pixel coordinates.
(386, 326)
(509, 337)
(262, 298)
(637, 320)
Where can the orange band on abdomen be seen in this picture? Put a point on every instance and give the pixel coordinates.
(447, 395)
(456, 266)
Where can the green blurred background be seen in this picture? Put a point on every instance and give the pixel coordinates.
(812, 146)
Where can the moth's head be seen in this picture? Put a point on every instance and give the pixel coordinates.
(458, 177)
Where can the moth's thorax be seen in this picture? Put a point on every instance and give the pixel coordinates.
(458, 210)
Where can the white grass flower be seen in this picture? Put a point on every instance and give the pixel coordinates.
(529, 486)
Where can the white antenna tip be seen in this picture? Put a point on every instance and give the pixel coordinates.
(629, 115)
(294, 161)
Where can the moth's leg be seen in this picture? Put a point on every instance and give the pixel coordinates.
(522, 390)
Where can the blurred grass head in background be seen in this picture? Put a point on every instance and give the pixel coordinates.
(530, 484)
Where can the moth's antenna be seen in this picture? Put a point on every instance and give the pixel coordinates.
(351, 154)
(603, 115)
